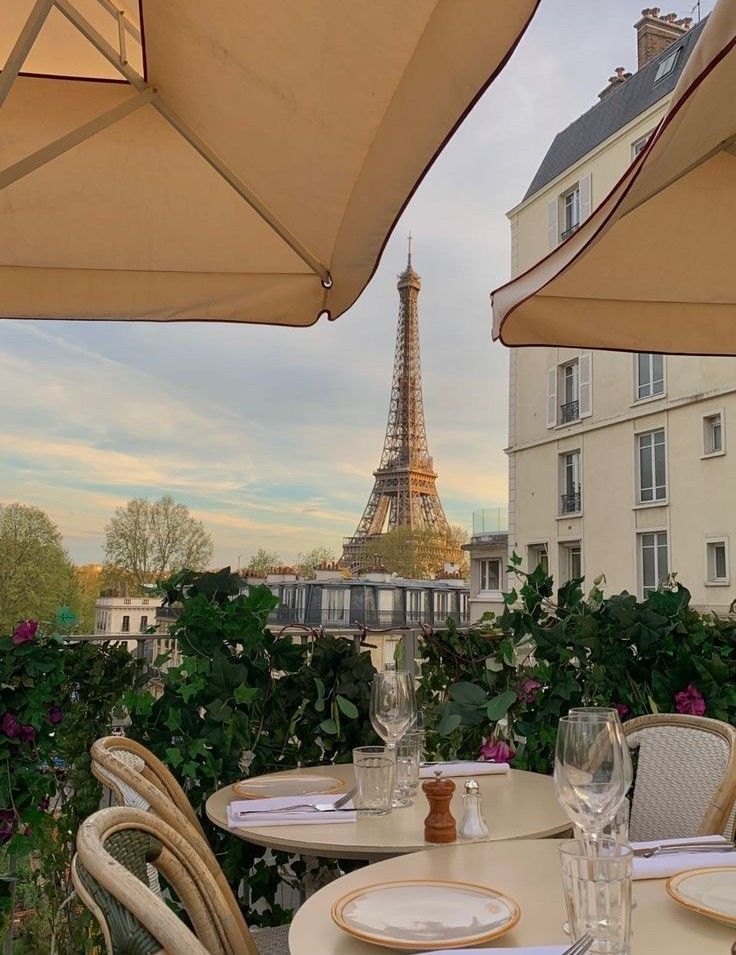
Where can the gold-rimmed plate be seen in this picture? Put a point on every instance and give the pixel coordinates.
(423, 914)
(301, 784)
(708, 891)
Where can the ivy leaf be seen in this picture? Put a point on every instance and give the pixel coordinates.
(328, 726)
(174, 757)
(349, 709)
(469, 694)
(449, 723)
(320, 702)
(499, 705)
(494, 665)
(245, 694)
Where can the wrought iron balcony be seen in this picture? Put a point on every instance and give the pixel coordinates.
(569, 411)
(570, 502)
(567, 232)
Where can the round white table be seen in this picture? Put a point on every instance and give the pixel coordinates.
(517, 805)
(529, 870)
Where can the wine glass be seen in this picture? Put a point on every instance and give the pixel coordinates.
(611, 714)
(589, 776)
(393, 707)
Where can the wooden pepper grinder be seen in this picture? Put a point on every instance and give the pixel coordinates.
(439, 826)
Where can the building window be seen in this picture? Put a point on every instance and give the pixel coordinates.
(716, 561)
(649, 375)
(667, 65)
(653, 560)
(570, 211)
(126, 625)
(570, 392)
(144, 625)
(638, 145)
(489, 575)
(441, 603)
(652, 466)
(537, 556)
(571, 561)
(414, 603)
(713, 434)
(335, 603)
(570, 474)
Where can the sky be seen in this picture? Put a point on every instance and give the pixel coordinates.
(271, 435)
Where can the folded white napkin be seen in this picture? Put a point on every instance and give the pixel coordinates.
(240, 813)
(668, 863)
(464, 768)
(534, 950)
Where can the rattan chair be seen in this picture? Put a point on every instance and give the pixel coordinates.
(685, 776)
(138, 779)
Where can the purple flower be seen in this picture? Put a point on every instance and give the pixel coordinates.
(529, 690)
(499, 752)
(25, 631)
(623, 710)
(27, 733)
(56, 714)
(7, 814)
(6, 832)
(10, 726)
(690, 700)
(45, 803)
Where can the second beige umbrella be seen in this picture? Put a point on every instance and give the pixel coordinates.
(652, 269)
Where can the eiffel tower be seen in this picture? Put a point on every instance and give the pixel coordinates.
(404, 493)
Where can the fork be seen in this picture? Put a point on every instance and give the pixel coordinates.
(580, 946)
(301, 807)
(684, 847)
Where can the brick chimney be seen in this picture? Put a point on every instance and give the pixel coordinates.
(619, 77)
(655, 31)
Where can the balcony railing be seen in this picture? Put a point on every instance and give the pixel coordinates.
(569, 411)
(570, 502)
(567, 232)
(379, 619)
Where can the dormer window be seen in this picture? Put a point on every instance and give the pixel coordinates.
(667, 65)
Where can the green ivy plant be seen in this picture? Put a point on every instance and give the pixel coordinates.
(244, 701)
(511, 678)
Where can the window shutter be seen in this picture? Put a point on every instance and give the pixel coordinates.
(553, 228)
(585, 384)
(552, 397)
(585, 197)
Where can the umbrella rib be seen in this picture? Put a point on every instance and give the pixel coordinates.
(204, 150)
(22, 46)
(69, 140)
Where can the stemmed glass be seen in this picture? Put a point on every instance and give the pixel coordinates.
(612, 715)
(590, 777)
(393, 706)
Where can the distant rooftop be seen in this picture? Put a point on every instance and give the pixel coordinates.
(620, 106)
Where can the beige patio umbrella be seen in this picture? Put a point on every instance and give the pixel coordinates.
(654, 267)
(238, 160)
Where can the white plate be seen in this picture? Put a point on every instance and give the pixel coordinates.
(263, 787)
(423, 914)
(710, 892)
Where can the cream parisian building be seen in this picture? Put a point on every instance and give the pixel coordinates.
(618, 464)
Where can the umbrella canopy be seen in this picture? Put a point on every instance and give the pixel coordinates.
(242, 160)
(652, 269)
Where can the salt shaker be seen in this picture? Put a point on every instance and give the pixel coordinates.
(473, 825)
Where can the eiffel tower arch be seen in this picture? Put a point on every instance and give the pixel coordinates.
(404, 493)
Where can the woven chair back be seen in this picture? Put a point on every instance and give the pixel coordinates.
(685, 776)
(113, 847)
(140, 780)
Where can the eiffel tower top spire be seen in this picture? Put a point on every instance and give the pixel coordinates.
(404, 493)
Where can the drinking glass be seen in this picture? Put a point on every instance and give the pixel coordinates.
(374, 768)
(589, 774)
(408, 756)
(609, 713)
(393, 707)
(598, 893)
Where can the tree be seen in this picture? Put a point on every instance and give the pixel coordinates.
(420, 554)
(152, 539)
(262, 562)
(310, 561)
(36, 573)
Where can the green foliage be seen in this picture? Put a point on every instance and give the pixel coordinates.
(56, 698)
(513, 676)
(244, 702)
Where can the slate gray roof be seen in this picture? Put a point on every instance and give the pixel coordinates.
(613, 112)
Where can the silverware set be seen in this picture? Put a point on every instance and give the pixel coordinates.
(580, 946)
(684, 847)
(336, 806)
